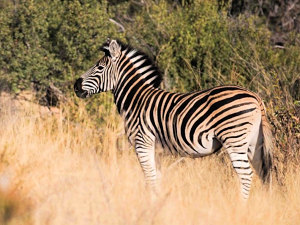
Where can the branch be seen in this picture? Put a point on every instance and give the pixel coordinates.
(118, 24)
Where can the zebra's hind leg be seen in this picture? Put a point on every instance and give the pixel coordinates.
(145, 150)
(240, 162)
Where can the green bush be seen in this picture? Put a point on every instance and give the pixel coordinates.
(50, 41)
(199, 46)
(195, 43)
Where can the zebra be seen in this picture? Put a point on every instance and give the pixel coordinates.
(192, 124)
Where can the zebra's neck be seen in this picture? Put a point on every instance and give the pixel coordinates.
(136, 74)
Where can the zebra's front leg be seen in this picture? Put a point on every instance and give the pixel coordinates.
(145, 150)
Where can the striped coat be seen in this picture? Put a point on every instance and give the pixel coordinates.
(191, 124)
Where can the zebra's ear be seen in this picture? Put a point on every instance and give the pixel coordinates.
(114, 49)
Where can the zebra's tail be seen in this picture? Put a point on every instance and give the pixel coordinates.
(266, 156)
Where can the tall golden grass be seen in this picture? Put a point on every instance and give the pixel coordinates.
(57, 171)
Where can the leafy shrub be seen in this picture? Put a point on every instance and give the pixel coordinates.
(199, 46)
(50, 41)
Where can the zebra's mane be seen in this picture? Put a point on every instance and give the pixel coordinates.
(155, 76)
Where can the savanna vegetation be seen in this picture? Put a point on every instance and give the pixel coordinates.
(66, 161)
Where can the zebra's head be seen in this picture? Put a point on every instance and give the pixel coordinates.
(102, 76)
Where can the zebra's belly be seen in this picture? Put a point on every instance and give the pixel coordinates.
(180, 146)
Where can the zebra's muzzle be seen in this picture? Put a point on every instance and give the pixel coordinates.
(78, 89)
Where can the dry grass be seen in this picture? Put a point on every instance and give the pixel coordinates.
(72, 173)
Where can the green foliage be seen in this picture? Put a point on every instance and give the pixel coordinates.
(195, 44)
(50, 41)
(199, 46)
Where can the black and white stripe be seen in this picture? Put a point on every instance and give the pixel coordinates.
(190, 124)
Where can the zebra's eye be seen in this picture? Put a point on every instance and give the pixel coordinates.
(100, 67)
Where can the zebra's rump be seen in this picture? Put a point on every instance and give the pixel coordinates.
(197, 123)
